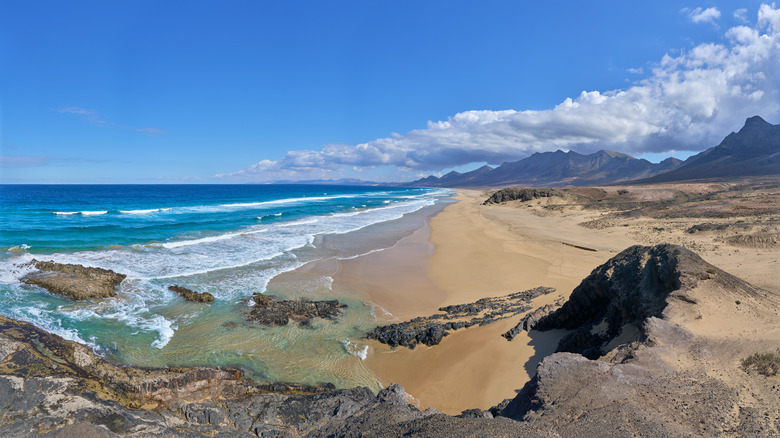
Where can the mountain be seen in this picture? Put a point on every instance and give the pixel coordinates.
(753, 151)
(555, 169)
(331, 182)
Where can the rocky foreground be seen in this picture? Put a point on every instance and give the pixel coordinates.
(657, 340)
(53, 387)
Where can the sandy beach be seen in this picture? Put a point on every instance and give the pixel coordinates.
(470, 251)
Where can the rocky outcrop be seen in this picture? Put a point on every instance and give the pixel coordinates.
(430, 330)
(54, 387)
(191, 295)
(74, 281)
(519, 194)
(648, 373)
(629, 288)
(274, 311)
(529, 321)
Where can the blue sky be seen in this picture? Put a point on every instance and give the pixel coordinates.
(169, 92)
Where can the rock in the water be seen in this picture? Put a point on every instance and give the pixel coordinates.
(74, 281)
(274, 311)
(191, 295)
(409, 333)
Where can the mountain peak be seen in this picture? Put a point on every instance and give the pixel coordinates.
(755, 121)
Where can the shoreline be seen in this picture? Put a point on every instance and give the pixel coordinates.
(464, 253)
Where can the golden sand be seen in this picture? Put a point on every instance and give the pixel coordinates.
(470, 251)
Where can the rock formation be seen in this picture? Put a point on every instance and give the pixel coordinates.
(618, 296)
(520, 194)
(668, 331)
(430, 330)
(191, 295)
(274, 311)
(529, 321)
(53, 387)
(74, 281)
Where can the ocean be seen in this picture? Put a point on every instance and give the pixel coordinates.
(228, 240)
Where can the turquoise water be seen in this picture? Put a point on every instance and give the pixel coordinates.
(228, 240)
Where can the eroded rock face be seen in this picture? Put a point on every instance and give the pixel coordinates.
(274, 311)
(191, 295)
(627, 289)
(74, 281)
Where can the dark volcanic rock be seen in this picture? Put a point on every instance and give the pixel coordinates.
(519, 194)
(74, 281)
(529, 321)
(627, 289)
(191, 295)
(274, 311)
(409, 333)
(430, 330)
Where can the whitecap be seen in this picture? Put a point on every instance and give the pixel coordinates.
(355, 349)
(141, 211)
(209, 239)
(300, 222)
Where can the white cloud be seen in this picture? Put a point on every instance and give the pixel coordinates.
(741, 15)
(92, 117)
(689, 101)
(708, 15)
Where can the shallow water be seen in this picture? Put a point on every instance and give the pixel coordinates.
(225, 240)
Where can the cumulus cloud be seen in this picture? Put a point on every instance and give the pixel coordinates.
(708, 15)
(689, 101)
(92, 117)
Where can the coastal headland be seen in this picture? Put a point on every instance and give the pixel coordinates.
(655, 311)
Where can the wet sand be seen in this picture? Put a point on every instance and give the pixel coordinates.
(468, 252)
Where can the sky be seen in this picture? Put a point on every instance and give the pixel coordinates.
(259, 91)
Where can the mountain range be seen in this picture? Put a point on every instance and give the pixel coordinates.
(753, 151)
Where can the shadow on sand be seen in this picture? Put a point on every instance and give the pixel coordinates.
(544, 344)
